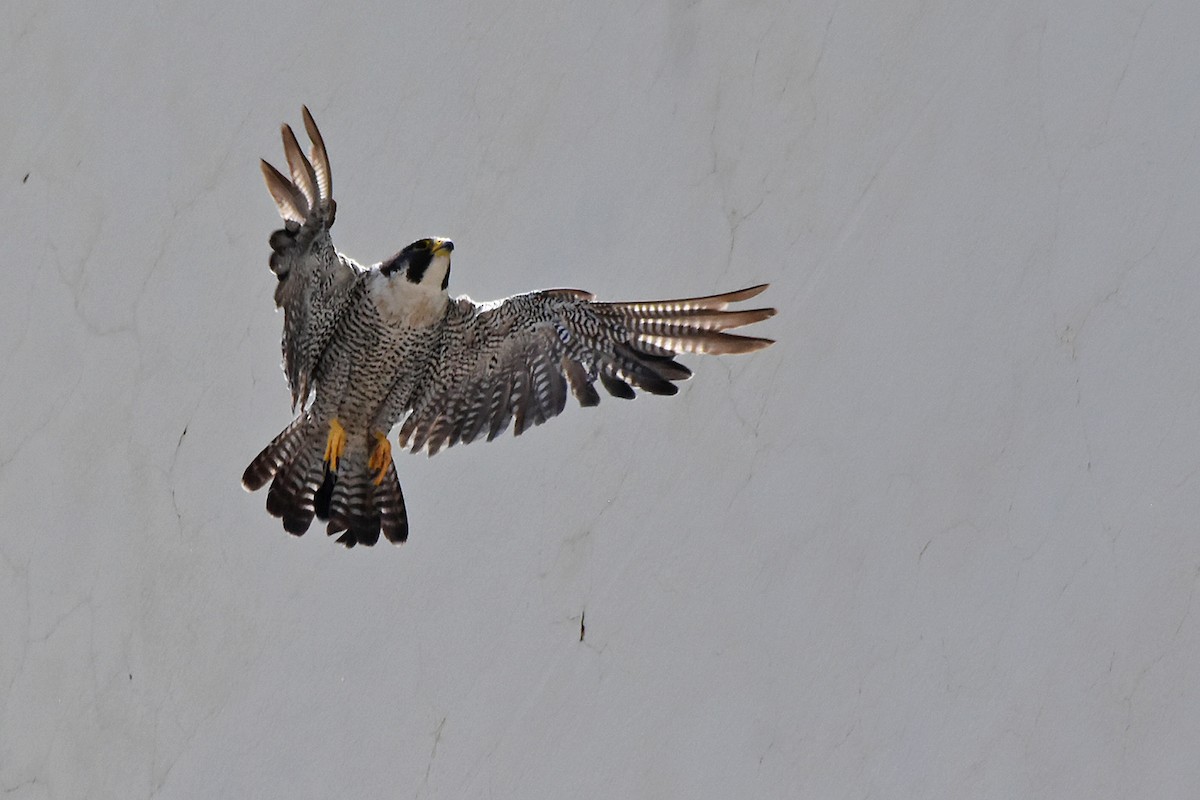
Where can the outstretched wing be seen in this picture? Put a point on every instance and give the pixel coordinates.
(314, 279)
(516, 359)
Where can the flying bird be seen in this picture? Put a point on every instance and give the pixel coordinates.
(367, 348)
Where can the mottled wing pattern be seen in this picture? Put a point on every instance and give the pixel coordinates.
(515, 360)
(314, 279)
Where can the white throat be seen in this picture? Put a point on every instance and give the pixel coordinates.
(414, 305)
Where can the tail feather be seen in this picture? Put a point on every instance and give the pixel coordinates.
(389, 499)
(303, 487)
(358, 510)
(352, 511)
(324, 493)
(293, 489)
(280, 451)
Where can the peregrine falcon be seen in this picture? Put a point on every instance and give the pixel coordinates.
(365, 348)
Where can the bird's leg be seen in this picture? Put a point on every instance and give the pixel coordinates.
(381, 457)
(335, 444)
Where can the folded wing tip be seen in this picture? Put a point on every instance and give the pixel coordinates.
(754, 343)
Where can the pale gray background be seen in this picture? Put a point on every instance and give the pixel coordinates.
(940, 541)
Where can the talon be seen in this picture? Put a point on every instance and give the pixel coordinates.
(381, 457)
(335, 444)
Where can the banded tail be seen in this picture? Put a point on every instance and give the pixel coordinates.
(303, 486)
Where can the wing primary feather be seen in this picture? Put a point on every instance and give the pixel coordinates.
(476, 416)
(712, 302)
(558, 391)
(439, 433)
(672, 370)
(303, 174)
(642, 373)
(320, 158)
(420, 435)
(617, 387)
(501, 407)
(520, 402)
(467, 413)
(581, 384)
(288, 198)
(708, 342)
(539, 401)
(696, 319)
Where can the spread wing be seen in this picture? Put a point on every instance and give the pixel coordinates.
(314, 279)
(517, 358)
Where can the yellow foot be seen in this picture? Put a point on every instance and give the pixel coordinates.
(381, 457)
(335, 444)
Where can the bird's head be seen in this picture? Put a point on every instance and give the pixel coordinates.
(425, 262)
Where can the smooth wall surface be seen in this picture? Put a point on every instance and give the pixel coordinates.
(940, 541)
